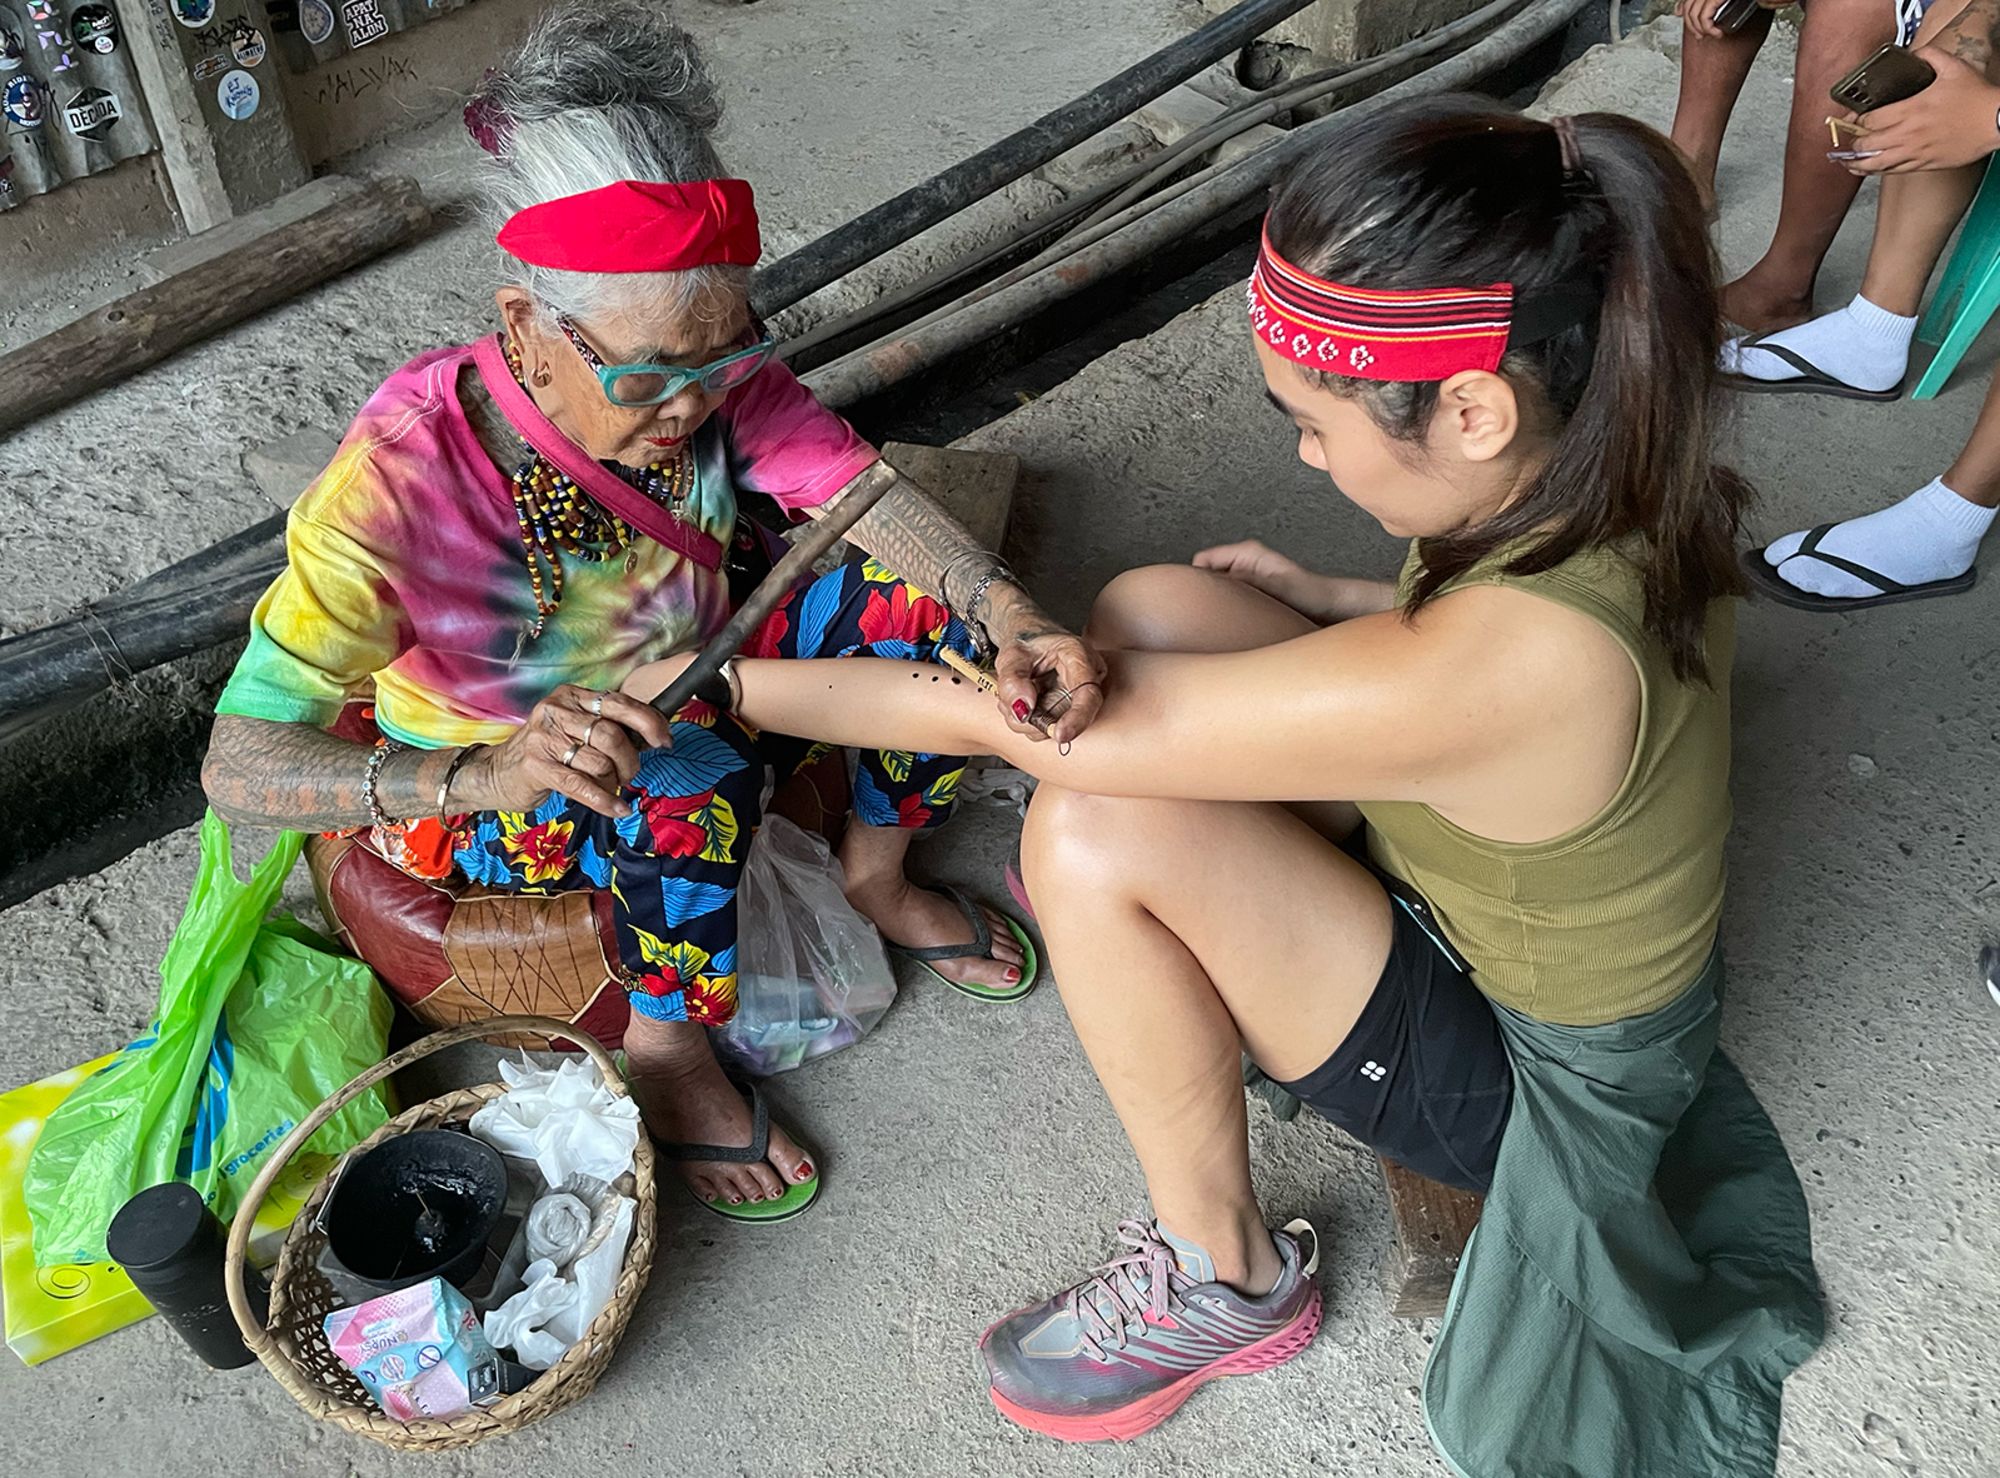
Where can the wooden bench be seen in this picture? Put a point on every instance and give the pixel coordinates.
(1432, 1223)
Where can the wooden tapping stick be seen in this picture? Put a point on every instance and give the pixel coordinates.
(859, 496)
(980, 678)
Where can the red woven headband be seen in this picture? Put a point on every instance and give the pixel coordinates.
(639, 226)
(1378, 333)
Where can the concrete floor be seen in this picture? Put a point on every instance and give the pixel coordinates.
(972, 1163)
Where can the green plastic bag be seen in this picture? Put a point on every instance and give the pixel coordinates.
(260, 1021)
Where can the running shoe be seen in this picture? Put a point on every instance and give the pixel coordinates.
(1117, 1354)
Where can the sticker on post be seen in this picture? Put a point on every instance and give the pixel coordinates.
(94, 26)
(365, 22)
(238, 95)
(12, 54)
(211, 66)
(92, 114)
(194, 14)
(21, 103)
(315, 20)
(247, 45)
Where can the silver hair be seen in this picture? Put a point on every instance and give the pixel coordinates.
(603, 91)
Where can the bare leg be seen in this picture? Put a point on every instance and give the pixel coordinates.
(1975, 475)
(1713, 69)
(1169, 972)
(1917, 215)
(1778, 291)
(872, 858)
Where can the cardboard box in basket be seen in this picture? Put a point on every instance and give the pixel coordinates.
(50, 1311)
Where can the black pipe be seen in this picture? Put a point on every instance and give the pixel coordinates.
(893, 222)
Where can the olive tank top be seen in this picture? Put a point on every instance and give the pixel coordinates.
(1617, 917)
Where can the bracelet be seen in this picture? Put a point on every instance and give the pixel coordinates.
(369, 781)
(979, 589)
(451, 774)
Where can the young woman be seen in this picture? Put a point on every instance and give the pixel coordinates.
(1496, 336)
(512, 526)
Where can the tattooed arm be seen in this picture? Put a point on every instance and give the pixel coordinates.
(909, 533)
(1954, 122)
(577, 741)
(296, 777)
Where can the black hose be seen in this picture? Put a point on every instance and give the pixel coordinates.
(1311, 88)
(1208, 196)
(890, 224)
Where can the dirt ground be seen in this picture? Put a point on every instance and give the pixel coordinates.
(972, 1162)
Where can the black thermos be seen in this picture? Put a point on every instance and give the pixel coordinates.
(171, 1246)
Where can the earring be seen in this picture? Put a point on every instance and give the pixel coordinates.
(542, 375)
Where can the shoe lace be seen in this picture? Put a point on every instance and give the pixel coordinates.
(1145, 1279)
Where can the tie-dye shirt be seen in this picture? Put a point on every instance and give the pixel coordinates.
(405, 564)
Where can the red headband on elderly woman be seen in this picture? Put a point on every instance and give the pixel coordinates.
(639, 226)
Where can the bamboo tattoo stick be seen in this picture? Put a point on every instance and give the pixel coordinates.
(862, 494)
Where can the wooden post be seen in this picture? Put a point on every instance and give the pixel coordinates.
(1432, 1224)
(258, 268)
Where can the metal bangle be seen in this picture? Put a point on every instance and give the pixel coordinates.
(451, 774)
(372, 778)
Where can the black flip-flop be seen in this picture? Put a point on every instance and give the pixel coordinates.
(979, 947)
(1764, 575)
(798, 1194)
(1812, 379)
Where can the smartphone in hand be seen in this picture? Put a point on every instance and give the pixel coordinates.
(1889, 76)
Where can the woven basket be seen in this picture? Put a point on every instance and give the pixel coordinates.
(292, 1345)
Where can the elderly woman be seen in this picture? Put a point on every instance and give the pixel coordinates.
(513, 526)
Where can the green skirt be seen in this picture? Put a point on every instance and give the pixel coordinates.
(1641, 1279)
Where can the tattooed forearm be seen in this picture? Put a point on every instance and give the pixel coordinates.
(909, 532)
(296, 777)
(1972, 34)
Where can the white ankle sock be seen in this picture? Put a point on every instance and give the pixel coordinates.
(1933, 534)
(1859, 345)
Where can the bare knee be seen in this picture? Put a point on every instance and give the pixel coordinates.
(1147, 609)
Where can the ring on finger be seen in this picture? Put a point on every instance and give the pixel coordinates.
(596, 708)
(569, 754)
(588, 729)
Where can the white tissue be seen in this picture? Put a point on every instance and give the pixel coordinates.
(558, 1226)
(564, 1119)
(551, 1313)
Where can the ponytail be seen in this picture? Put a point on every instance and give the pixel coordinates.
(1461, 190)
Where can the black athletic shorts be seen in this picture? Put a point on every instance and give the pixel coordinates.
(1424, 1076)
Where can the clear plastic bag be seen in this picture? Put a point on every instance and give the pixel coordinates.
(811, 974)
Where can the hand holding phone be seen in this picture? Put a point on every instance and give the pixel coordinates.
(1889, 76)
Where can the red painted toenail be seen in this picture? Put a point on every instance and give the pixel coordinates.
(805, 1170)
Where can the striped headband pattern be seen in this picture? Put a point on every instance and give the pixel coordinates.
(1378, 333)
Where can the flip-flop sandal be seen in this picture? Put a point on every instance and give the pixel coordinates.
(979, 948)
(799, 1194)
(1764, 575)
(1812, 379)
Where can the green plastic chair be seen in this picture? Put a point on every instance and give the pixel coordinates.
(1969, 291)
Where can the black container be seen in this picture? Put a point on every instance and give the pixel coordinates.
(417, 1207)
(170, 1245)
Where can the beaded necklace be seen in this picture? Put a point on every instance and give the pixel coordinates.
(557, 517)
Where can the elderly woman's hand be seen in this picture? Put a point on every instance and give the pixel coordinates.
(577, 742)
(1038, 662)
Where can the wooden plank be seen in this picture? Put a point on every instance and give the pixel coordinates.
(1432, 1224)
(975, 487)
(260, 270)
